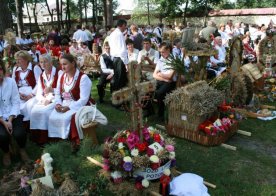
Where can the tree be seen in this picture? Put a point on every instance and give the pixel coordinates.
(80, 7)
(5, 17)
(29, 16)
(51, 12)
(19, 17)
(161, 8)
(109, 13)
(254, 4)
(206, 5)
(58, 13)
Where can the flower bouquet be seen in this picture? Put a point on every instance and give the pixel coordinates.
(127, 156)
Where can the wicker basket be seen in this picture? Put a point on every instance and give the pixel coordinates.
(89, 131)
(201, 138)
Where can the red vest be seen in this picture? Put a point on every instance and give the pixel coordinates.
(54, 84)
(75, 91)
(30, 78)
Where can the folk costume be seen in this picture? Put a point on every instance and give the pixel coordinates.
(26, 83)
(40, 112)
(73, 94)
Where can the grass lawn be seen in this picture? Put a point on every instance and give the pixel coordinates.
(251, 170)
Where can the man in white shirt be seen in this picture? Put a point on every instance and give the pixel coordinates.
(89, 35)
(158, 31)
(80, 35)
(34, 53)
(118, 51)
(107, 71)
(148, 58)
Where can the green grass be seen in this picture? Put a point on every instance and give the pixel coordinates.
(251, 170)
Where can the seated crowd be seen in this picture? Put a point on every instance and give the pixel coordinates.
(44, 87)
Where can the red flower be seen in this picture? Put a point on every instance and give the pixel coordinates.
(38, 161)
(150, 152)
(156, 137)
(142, 146)
(138, 185)
(121, 139)
(154, 166)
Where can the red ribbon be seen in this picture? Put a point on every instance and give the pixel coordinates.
(164, 180)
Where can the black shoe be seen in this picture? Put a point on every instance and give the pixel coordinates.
(147, 113)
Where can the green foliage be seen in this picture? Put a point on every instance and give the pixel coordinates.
(157, 8)
(80, 169)
(254, 4)
(177, 64)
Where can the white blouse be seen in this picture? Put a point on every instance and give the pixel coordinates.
(9, 99)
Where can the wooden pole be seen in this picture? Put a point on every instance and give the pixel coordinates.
(246, 133)
(95, 162)
(227, 146)
(160, 127)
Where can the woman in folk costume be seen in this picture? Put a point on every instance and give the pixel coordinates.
(40, 112)
(26, 75)
(72, 92)
(10, 120)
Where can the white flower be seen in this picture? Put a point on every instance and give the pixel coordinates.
(154, 159)
(172, 155)
(145, 183)
(116, 174)
(121, 145)
(167, 172)
(135, 152)
(127, 159)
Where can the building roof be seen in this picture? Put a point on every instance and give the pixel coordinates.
(243, 12)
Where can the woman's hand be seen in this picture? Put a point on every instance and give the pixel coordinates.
(48, 90)
(61, 109)
(25, 97)
(58, 108)
(46, 102)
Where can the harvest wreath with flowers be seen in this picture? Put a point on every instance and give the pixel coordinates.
(126, 155)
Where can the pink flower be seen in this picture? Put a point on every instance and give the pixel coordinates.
(106, 167)
(169, 148)
(132, 140)
(146, 133)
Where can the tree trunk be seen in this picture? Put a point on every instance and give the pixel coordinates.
(94, 11)
(85, 12)
(68, 16)
(80, 10)
(35, 15)
(185, 12)
(5, 17)
(109, 13)
(29, 16)
(61, 13)
(58, 13)
(19, 17)
(50, 11)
